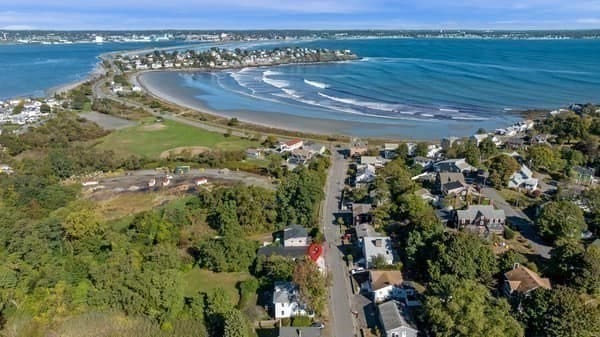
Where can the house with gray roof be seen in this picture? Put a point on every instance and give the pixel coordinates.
(394, 324)
(454, 165)
(287, 331)
(286, 301)
(374, 246)
(295, 236)
(523, 179)
(483, 219)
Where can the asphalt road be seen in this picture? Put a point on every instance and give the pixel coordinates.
(516, 217)
(341, 322)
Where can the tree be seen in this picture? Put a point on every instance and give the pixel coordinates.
(502, 167)
(561, 220)
(465, 255)
(235, 324)
(566, 261)
(18, 108)
(509, 258)
(421, 149)
(488, 148)
(82, 224)
(312, 284)
(589, 278)
(465, 308)
(560, 312)
(544, 157)
(45, 108)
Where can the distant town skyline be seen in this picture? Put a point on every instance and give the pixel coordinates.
(308, 14)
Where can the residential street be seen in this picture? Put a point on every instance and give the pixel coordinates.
(517, 217)
(341, 322)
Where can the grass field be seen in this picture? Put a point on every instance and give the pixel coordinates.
(201, 280)
(151, 139)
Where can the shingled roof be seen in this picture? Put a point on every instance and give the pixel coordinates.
(523, 280)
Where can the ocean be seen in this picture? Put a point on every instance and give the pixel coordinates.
(400, 88)
(30, 70)
(415, 88)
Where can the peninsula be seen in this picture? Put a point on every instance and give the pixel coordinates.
(216, 58)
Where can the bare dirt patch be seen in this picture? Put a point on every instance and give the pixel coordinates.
(189, 150)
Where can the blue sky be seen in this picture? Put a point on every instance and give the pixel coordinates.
(301, 14)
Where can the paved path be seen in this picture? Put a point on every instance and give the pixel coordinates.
(341, 323)
(516, 217)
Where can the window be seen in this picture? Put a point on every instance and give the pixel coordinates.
(282, 313)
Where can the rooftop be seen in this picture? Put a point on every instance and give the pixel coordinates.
(290, 252)
(285, 292)
(475, 211)
(294, 231)
(522, 279)
(391, 318)
(378, 245)
(383, 278)
(299, 332)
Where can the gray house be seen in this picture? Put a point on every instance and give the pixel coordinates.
(393, 323)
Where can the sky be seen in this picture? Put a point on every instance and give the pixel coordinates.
(299, 14)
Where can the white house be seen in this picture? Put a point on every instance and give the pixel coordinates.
(385, 285)
(286, 301)
(393, 322)
(295, 236)
(523, 179)
(365, 174)
(377, 246)
(291, 145)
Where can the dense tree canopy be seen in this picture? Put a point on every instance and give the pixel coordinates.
(502, 167)
(455, 308)
(561, 220)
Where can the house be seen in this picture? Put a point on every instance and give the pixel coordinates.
(541, 138)
(365, 174)
(394, 324)
(371, 160)
(300, 156)
(522, 280)
(426, 195)
(389, 150)
(514, 143)
(358, 147)
(523, 179)
(454, 165)
(423, 161)
(254, 153)
(448, 142)
(449, 183)
(374, 246)
(361, 213)
(433, 150)
(291, 253)
(288, 331)
(385, 285)
(291, 145)
(481, 219)
(286, 301)
(364, 230)
(584, 175)
(315, 254)
(478, 138)
(295, 236)
(315, 148)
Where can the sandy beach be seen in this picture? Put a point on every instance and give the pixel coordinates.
(163, 89)
(98, 71)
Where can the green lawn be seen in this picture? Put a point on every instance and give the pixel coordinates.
(201, 280)
(151, 139)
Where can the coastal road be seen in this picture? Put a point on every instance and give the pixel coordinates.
(341, 322)
(516, 217)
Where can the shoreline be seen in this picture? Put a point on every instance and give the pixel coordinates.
(367, 129)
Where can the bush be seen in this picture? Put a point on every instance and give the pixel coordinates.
(509, 234)
(248, 289)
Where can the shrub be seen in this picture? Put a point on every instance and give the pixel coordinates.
(509, 234)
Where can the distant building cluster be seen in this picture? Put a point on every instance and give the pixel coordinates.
(225, 58)
(25, 111)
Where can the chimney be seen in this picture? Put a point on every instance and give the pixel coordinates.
(378, 242)
(516, 265)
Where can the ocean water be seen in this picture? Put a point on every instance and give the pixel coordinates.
(32, 69)
(414, 88)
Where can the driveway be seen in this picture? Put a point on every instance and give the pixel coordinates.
(517, 218)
